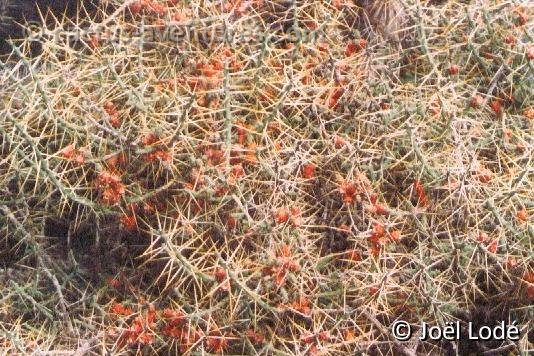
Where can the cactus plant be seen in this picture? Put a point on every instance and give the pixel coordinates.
(267, 177)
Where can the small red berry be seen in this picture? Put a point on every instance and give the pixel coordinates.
(68, 152)
(510, 39)
(484, 175)
(353, 256)
(281, 216)
(238, 171)
(94, 42)
(492, 247)
(324, 336)
(231, 222)
(454, 69)
(353, 47)
(380, 209)
(511, 262)
(308, 170)
(496, 106)
(395, 235)
(136, 7)
(339, 141)
(129, 222)
(522, 215)
(219, 274)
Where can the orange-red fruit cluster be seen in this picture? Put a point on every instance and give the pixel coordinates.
(113, 113)
(159, 152)
(129, 221)
(302, 305)
(484, 175)
(214, 156)
(244, 154)
(237, 172)
(454, 69)
(420, 193)
(308, 170)
(379, 237)
(339, 142)
(492, 247)
(354, 47)
(111, 186)
(376, 207)
(352, 255)
(496, 106)
(283, 215)
(140, 329)
(176, 327)
(222, 279)
(284, 264)
(348, 191)
(72, 154)
(120, 309)
(150, 6)
(242, 130)
(217, 342)
(395, 235)
(334, 96)
(522, 215)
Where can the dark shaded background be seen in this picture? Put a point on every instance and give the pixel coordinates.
(13, 13)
